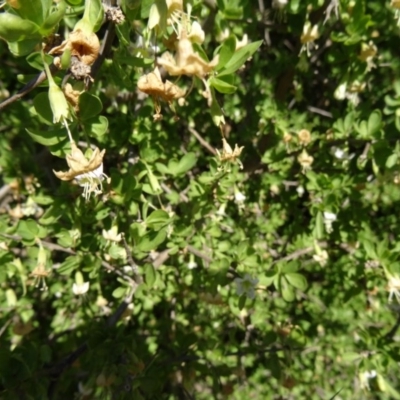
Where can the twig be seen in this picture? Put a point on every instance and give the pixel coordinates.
(136, 276)
(56, 247)
(393, 331)
(161, 258)
(32, 84)
(199, 254)
(104, 49)
(5, 326)
(118, 272)
(320, 111)
(113, 318)
(4, 190)
(295, 255)
(167, 190)
(203, 142)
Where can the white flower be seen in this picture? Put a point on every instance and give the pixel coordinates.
(196, 34)
(396, 5)
(300, 190)
(310, 34)
(339, 153)
(340, 92)
(239, 197)
(80, 288)
(321, 257)
(192, 263)
(92, 181)
(144, 49)
(221, 211)
(393, 287)
(279, 3)
(329, 218)
(305, 160)
(30, 208)
(128, 269)
(84, 390)
(246, 286)
(242, 43)
(365, 377)
(112, 234)
(227, 154)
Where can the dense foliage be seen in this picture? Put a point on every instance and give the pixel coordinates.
(199, 199)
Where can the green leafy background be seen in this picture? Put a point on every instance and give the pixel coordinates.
(313, 331)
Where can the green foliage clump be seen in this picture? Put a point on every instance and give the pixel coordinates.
(199, 199)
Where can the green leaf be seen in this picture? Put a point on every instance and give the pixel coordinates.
(286, 290)
(28, 229)
(151, 241)
(49, 137)
(222, 86)
(392, 160)
(35, 60)
(116, 252)
(120, 292)
(24, 47)
(69, 265)
(351, 357)
(216, 111)
(297, 280)
(155, 187)
(198, 49)
(51, 215)
(150, 275)
(163, 168)
(123, 32)
(41, 103)
(242, 302)
(11, 298)
(96, 126)
(45, 353)
(369, 246)
(94, 13)
(319, 230)
(55, 17)
(374, 122)
(145, 7)
(226, 51)
(157, 219)
(14, 28)
(61, 149)
(32, 10)
(239, 58)
(89, 106)
(187, 162)
(64, 239)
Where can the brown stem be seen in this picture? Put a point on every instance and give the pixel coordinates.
(203, 142)
(32, 84)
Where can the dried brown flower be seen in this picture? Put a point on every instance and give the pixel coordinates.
(186, 61)
(154, 86)
(79, 164)
(83, 45)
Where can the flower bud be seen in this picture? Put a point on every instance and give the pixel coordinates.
(58, 103)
